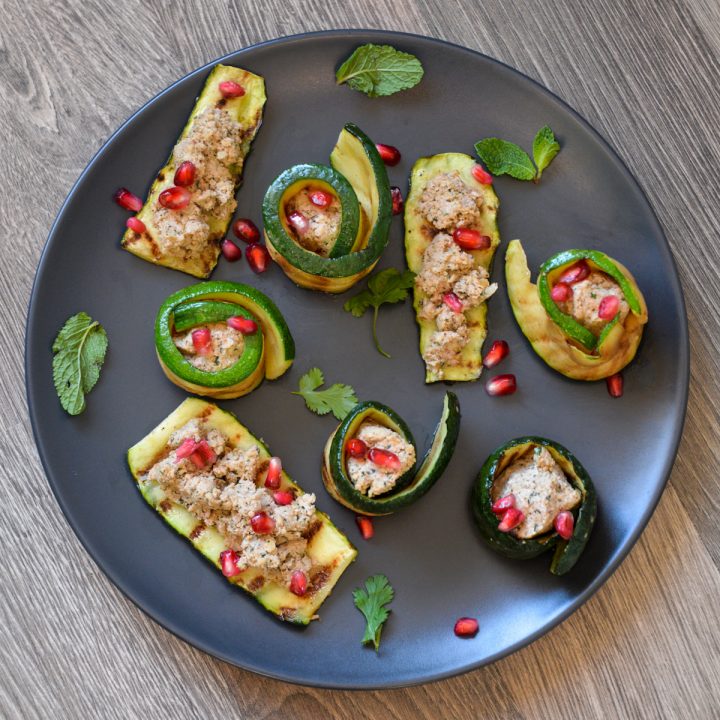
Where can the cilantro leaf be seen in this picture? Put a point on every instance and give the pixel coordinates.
(505, 158)
(79, 349)
(369, 602)
(545, 148)
(380, 70)
(338, 399)
(388, 286)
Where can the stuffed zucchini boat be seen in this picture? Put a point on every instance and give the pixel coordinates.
(369, 464)
(451, 234)
(192, 199)
(585, 316)
(216, 485)
(327, 226)
(533, 495)
(221, 339)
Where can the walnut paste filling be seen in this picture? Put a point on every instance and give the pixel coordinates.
(228, 492)
(584, 302)
(225, 348)
(323, 224)
(447, 204)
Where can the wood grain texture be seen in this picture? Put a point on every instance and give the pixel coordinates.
(645, 74)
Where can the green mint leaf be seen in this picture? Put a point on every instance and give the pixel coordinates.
(370, 601)
(338, 399)
(505, 158)
(380, 70)
(79, 349)
(545, 148)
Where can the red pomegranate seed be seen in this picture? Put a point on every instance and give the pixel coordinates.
(365, 526)
(384, 458)
(575, 273)
(501, 385)
(453, 302)
(231, 252)
(201, 340)
(229, 563)
(198, 460)
(498, 351)
(174, 198)
(466, 627)
(609, 307)
(298, 222)
(243, 325)
(321, 198)
(274, 473)
(185, 174)
(125, 199)
(356, 448)
(136, 225)
(469, 239)
(283, 497)
(186, 448)
(511, 519)
(564, 524)
(481, 175)
(206, 452)
(560, 292)
(502, 504)
(390, 155)
(258, 257)
(298, 583)
(262, 523)
(246, 230)
(397, 200)
(615, 385)
(231, 89)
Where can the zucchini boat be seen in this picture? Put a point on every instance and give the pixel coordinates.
(267, 349)
(327, 548)
(408, 484)
(481, 229)
(187, 238)
(606, 341)
(356, 190)
(488, 505)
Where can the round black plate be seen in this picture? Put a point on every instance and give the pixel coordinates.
(434, 558)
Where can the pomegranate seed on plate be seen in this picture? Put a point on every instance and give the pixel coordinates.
(365, 526)
(283, 497)
(231, 252)
(561, 292)
(321, 198)
(609, 307)
(384, 458)
(390, 154)
(481, 175)
(356, 448)
(511, 519)
(575, 273)
(174, 198)
(125, 199)
(258, 257)
(466, 627)
(564, 524)
(615, 385)
(502, 504)
(246, 230)
(298, 583)
(201, 340)
(469, 239)
(298, 222)
(229, 563)
(262, 523)
(397, 200)
(136, 225)
(453, 302)
(501, 385)
(231, 89)
(185, 174)
(243, 325)
(186, 448)
(498, 351)
(274, 473)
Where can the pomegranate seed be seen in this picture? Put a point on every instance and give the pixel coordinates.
(201, 340)
(262, 523)
(136, 225)
(511, 519)
(320, 198)
(282, 497)
(481, 175)
(231, 89)
(466, 627)
(174, 198)
(258, 257)
(575, 273)
(453, 302)
(206, 452)
(564, 524)
(609, 307)
(125, 199)
(298, 583)
(502, 504)
(384, 458)
(243, 325)
(185, 174)
(274, 473)
(186, 448)
(498, 351)
(560, 292)
(229, 563)
(198, 460)
(615, 385)
(397, 200)
(469, 239)
(298, 222)
(356, 448)
(365, 526)
(246, 230)
(501, 385)
(231, 252)
(390, 155)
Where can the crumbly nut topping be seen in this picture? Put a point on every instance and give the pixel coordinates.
(448, 203)
(586, 297)
(323, 223)
(226, 347)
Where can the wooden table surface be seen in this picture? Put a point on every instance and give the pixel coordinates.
(645, 74)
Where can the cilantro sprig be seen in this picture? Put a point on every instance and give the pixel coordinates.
(380, 70)
(338, 399)
(370, 602)
(388, 286)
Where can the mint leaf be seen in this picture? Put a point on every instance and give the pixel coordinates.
(505, 158)
(338, 399)
(545, 148)
(370, 601)
(380, 70)
(79, 349)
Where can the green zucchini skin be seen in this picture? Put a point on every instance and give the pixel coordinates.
(566, 553)
(413, 484)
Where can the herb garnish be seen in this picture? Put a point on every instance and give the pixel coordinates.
(380, 70)
(378, 592)
(338, 399)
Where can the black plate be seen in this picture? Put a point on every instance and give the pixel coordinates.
(431, 552)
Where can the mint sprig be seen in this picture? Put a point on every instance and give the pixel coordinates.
(380, 70)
